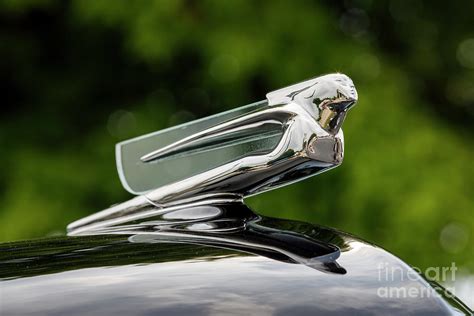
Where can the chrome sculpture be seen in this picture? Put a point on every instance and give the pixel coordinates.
(295, 134)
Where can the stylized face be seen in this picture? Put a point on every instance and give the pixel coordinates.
(333, 95)
(326, 98)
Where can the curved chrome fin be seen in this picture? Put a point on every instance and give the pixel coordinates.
(145, 163)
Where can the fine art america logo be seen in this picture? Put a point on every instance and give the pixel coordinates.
(397, 277)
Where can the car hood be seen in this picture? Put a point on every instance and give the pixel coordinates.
(234, 263)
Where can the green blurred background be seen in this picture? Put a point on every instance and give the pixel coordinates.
(80, 76)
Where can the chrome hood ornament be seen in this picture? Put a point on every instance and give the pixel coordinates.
(294, 134)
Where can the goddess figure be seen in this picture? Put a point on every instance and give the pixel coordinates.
(309, 116)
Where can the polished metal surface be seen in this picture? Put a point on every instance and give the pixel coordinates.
(310, 115)
(225, 224)
(295, 134)
(211, 260)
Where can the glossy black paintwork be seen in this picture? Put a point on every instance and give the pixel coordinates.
(232, 263)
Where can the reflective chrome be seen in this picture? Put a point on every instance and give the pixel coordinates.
(227, 225)
(295, 134)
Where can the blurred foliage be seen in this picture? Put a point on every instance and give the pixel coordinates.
(80, 76)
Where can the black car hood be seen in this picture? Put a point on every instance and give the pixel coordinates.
(229, 264)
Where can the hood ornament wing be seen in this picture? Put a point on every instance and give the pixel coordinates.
(295, 133)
